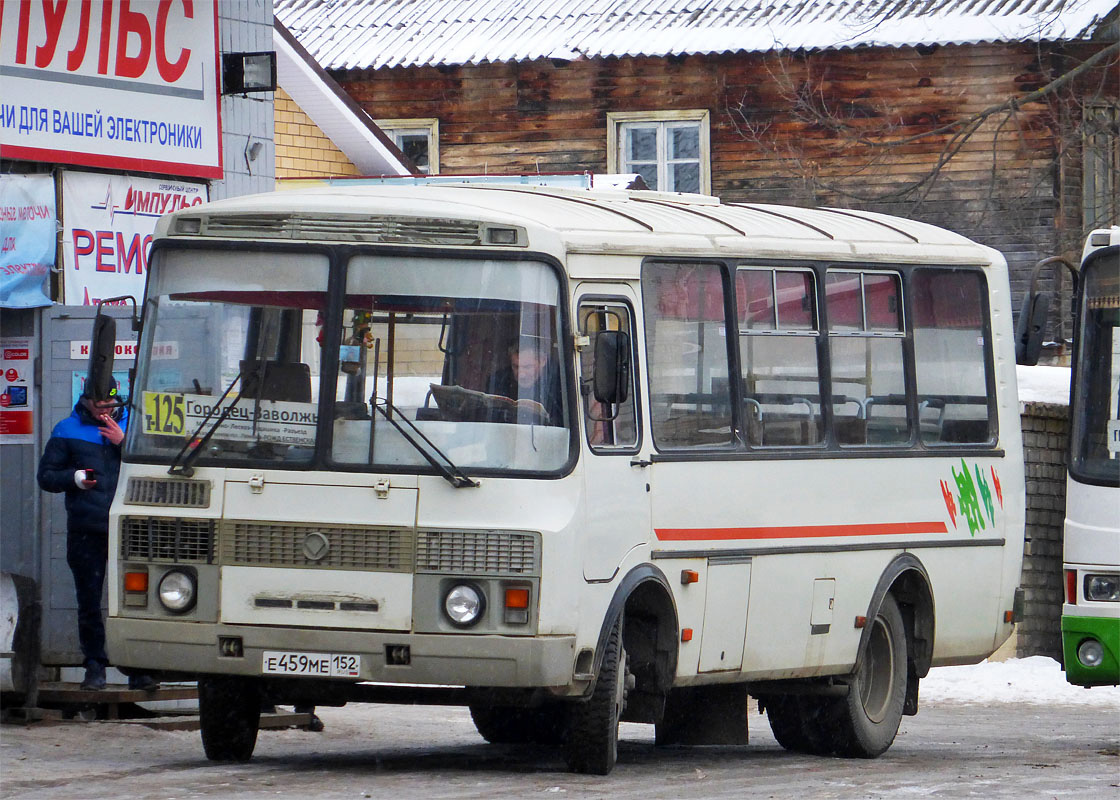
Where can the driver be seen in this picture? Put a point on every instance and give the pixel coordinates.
(532, 374)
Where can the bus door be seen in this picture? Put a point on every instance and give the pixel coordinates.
(615, 470)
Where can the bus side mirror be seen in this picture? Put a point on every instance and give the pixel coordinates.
(611, 382)
(1030, 328)
(102, 348)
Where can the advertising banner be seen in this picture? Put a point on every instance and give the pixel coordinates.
(108, 222)
(122, 84)
(17, 391)
(27, 243)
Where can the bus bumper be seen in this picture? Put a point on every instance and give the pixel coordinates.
(439, 659)
(1078, 631)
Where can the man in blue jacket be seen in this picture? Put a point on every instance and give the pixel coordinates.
(82, 459)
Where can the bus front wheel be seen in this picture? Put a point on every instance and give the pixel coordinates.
(591, 736)
(229, 715)
(512, 725)
(872, 711)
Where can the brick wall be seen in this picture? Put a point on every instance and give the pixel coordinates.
(302, 150)
(1045, 437)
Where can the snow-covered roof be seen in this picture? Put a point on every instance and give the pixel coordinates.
(356, 34)
(337, 115)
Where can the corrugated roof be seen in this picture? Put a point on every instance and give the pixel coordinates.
(355, 34)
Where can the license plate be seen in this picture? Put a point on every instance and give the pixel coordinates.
(312, 665)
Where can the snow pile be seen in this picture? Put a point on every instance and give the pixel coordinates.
(1036, 680)
(1043, 384)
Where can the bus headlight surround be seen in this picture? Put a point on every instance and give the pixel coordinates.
(178, 591)
(1102, 588)
(1090, 653)
(464, 604)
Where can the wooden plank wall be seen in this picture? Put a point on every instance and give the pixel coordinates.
(1002, 188)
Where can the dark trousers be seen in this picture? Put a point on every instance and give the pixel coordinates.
(87, 553)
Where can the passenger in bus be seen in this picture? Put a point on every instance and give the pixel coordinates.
(532, 374)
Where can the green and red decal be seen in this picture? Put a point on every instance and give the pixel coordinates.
(973, 498)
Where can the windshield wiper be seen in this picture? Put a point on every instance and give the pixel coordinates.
(189, 454)
(451, 473)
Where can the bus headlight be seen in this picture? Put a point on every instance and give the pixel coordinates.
(177, 591)
(1090, 653)
(464, 604)
(1102, 588)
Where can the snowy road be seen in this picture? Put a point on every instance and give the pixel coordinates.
(1008, 731)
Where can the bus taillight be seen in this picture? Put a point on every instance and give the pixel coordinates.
(1071, 586)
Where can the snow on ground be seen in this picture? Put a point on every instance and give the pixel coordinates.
(1043, 384)
(1036, 680)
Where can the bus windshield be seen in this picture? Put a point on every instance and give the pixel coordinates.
(1095, 429)
(441, 363)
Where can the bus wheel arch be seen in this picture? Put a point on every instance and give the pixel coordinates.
(907, 581)
(895, 650)
(634, 664)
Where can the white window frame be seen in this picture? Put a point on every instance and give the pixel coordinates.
(396, 128)
(618, 120)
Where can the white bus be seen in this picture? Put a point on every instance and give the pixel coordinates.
(1091, 612)
(567, 456)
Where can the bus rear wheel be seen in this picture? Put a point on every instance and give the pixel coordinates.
(872, 711)
(229, 715)
(591, 735)
(802, 723)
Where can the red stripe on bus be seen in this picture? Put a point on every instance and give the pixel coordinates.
(799, 531)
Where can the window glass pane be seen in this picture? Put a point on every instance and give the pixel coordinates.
(868, 381)
(868, 390)
(684, 177)
(754, 290)
(464, 351)
(641, 144)
(237, 333)
(795, 300)
(415, 146)
(1096, 397)
(950, 361)
(648, 173)
(686, 338)
(614, 425)
(881, 293)
(845, 301)
(781, 403)
(684, 142)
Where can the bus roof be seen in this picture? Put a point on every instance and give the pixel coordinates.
(563, 220)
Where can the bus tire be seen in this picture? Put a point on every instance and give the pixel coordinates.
(591, 735)
(229, 715)
(802, 723)
(872, 711)
(513, 725)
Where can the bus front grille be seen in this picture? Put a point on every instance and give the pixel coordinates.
(164, 492)
(280, 544)
(477, 552)
(167, 539)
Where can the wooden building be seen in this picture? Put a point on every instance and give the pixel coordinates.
(996, 119)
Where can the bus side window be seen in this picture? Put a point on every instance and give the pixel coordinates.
(614, 425)
(950, 349)
(865, 338)
(778, 332)
(686, 342)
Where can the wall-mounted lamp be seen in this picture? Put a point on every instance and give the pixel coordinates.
(248, 72)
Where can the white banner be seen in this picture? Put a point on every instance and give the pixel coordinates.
(121, 84)
(27, 239)
(107, 231)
